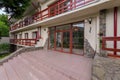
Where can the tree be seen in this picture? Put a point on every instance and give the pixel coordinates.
(4, 27)
(15, 8)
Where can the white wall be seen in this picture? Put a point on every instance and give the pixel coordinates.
(44, 37)
(91, 36)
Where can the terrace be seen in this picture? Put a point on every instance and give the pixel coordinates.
(46, 65)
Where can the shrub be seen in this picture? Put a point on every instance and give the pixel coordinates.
(4, 47)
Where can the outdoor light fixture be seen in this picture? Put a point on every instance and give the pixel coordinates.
(90, 20)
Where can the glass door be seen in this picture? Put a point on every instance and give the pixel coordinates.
(59, 41)
(78, 38)
(63, 41)
(66, 41)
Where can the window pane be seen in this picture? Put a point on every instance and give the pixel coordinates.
(78, 37)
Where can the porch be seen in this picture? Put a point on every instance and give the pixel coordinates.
(46, 65)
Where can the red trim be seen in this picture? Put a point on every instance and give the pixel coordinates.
(114, 56)
(115, 28)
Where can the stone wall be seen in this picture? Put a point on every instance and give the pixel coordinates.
(88, 50)
(102, 18)
(106, 68)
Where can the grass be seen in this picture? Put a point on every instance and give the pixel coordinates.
(4, 55)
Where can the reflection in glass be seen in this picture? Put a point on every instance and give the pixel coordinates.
(51, 38)
(58, 40)
(78, 38)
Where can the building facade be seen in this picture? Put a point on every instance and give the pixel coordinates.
(83, 27)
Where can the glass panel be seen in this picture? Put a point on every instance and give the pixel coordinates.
(51, 38)
(58, 40)
(34, 35)
(78, 38)
(63, 27)
(66, 41)
(20, 36)
(26, 35)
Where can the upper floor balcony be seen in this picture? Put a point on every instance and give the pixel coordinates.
(60, 7)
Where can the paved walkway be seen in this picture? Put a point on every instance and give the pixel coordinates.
(46, 65)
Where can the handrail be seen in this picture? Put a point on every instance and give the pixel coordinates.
(105, 39)
(27, 42)
(60, 7)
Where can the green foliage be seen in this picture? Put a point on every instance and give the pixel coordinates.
(4, 18)
(4, 47)
(16, 8)
(4, 27)
(4, 55)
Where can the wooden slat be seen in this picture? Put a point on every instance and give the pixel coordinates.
(3, 75)
(10, 72)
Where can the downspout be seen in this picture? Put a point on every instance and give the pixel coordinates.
(115, 29)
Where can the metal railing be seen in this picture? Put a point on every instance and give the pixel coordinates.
(59, 7)
(26, 42)
(115, 49)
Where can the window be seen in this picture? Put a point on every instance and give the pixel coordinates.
(20, 36)
(78, 37)
(15, 36)
(34, 35)
(26, 35)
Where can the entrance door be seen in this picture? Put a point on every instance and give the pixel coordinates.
(78, 38)
(59, 40)
(63, 41)
(66, 41)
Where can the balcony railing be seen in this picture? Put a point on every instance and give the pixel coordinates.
(59, 7)
(26, 42)
(108, 40)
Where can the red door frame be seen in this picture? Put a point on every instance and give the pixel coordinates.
(71, 38)
(69, 30)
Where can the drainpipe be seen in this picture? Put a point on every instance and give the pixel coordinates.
(115, 29)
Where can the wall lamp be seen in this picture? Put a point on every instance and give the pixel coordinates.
(89, 20)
